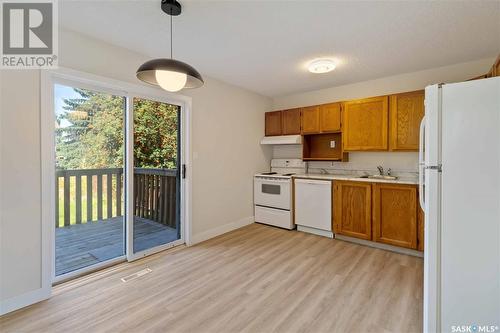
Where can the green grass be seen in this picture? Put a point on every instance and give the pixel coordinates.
(72, 200)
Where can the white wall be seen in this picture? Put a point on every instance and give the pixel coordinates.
(20, 196)
(400, 162)
(387, 85)
(227, 124)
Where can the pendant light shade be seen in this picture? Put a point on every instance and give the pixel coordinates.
(171, 81)
(170, 74)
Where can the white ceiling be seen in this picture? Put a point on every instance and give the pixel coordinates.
(263, 45)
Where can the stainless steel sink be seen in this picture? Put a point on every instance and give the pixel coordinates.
(379, 177)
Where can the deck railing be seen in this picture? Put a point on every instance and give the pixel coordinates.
(155, 192)
(155, 195)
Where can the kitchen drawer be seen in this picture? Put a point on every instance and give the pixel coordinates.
(272, 216)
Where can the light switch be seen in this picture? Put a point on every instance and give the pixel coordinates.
(332, 144)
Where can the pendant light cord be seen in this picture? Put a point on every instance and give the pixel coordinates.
(171, 42)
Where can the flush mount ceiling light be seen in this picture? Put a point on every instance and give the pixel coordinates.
(320, 66)
(170, 74)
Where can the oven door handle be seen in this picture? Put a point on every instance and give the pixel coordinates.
(265, 181)
(313, 182)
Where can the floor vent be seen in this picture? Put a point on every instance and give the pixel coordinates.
(136, 275)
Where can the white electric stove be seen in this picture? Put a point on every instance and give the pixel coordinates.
(273, 193)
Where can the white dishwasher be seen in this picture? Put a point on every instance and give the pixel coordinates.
(313, 206)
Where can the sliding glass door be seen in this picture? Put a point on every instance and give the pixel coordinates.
(117, 177)
(89, 171)
(156, 184)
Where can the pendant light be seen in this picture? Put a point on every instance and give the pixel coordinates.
(170, 74)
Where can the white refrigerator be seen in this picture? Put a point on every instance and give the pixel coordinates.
(460, 183)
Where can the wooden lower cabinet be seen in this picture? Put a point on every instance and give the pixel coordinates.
(352, 209)
(395, 214)
(380, 212)
(420, 230)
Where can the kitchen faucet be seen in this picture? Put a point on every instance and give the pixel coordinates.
(380, 170)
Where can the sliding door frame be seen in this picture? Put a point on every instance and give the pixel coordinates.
(127, 90)
(129, 197)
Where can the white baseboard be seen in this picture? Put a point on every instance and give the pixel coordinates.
(319, 232)
(32, 297)
(203, 236)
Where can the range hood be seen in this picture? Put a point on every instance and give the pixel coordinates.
(282, 140)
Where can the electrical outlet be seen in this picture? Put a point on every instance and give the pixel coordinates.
(332, 144)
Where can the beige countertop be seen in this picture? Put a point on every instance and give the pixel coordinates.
(402, 180)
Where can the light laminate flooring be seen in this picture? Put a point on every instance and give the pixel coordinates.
(254, 279)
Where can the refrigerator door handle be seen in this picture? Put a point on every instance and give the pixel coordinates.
(421, 165)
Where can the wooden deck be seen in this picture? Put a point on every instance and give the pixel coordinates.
(82, 245)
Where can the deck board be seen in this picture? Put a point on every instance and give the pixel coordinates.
(86, 244)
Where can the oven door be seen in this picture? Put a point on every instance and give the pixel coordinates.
(274, 193)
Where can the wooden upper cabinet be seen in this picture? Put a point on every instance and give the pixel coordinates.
(406, 113)
(310, 120)
(496, 67)
(480, 77)
(352, 209)
(291, 122)
(395, 214)
(365, 124)
(494, 70)
(273, 123)
(329, 117)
